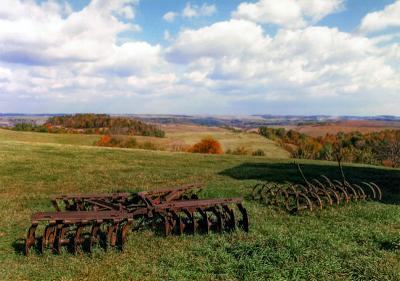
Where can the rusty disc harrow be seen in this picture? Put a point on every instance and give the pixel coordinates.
(82, 222)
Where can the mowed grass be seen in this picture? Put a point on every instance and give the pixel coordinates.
(360, 241)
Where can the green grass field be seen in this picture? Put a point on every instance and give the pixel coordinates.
(360, 241)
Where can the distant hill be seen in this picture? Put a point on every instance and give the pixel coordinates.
(240, 121)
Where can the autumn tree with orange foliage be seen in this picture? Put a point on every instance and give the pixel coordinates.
(377, 148)
(104, 141)
(207, 145)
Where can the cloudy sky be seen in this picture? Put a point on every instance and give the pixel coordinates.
(200, 57)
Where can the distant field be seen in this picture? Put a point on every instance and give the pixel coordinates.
(362, 126)
(356, 242)
(175, 134)
(191, 134)
(77, 139)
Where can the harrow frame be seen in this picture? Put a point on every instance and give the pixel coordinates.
(107, 218)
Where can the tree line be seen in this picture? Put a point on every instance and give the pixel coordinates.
(94, 124)
(377, 148)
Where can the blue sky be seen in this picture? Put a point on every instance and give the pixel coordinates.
(150, 12)
(200, 57)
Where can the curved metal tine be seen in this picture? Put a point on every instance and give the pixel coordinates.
(257, 191)
(44, 240)
(175, 222)
(319, 184)
(48, 237)
(30, 238)
(327, 196)
(219, 222)
(302, 175)
(94, 235)
(60, 238)
(301, 188)
(244, 222)
(286, 198)
(112, 233)
(372, 189)
(361, 192)
(313, 187)
(355, 194)
(378, 189)
(269, 195)
(329, 182)
(293, 201)
(230, 223)
(320, 190)
(125, 227)
(328, 191)
(195, 223)
(180, 223)
(167, 224)
(280, 201)
(336, 195)
(335, 188)
(342, 189)
(190, 222)
(290, 187)
(77, 239)
(337, 183)
(301, 206)
(267, 191)
(318, 199)
(205, 221)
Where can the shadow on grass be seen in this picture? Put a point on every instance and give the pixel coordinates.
(389, 245)
(387, 179)
(19, 246)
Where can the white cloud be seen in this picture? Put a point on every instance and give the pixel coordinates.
(288, 13)
(170, 16)
(131, 58)
(218, 40)
(320, 65)
(191, 11)
(55, 59)
(381, 20)
(52, 54)
(40, 35)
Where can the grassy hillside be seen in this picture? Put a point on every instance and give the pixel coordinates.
(191, 134)
(78, 139)
(356, 242)
(175, 134)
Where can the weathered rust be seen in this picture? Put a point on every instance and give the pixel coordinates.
(106, 218)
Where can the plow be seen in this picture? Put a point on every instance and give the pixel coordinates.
(315, 194)
(82, 222)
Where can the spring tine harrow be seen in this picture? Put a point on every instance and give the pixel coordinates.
(314, 194)
(83, 221)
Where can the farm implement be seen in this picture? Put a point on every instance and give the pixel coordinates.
(316, 193)
(80, 222)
